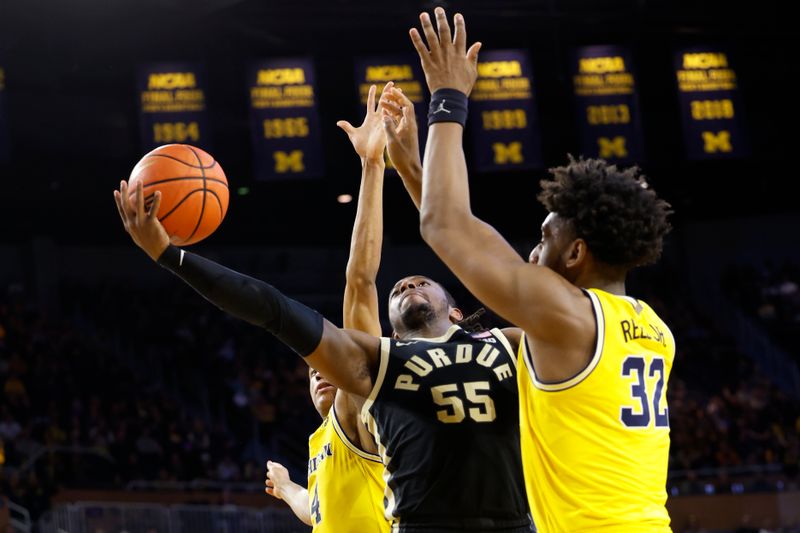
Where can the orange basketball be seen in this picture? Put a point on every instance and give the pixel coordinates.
(194, 190)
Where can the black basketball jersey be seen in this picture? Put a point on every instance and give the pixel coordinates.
(445, 415)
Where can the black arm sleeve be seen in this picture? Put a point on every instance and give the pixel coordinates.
(252, 300)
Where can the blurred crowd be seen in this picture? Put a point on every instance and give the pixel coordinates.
(118, 384)
(770, 293)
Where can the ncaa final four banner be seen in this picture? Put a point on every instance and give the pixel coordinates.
(503, 121)
(4, 142)
(607, 108)
(172, 103)
(406, 73)
(284, 121)
(711, 106)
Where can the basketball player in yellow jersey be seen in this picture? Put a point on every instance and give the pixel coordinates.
(594, 363)
(345, 474)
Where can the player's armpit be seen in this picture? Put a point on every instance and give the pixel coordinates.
(347, 358)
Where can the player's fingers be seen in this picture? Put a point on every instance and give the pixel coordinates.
(460, 38)
(125, 199)
(346, 126)
(401, 96)
(391, 107)
(139, 200)
(408, 113)
(445, 37)
(153, 212)
(430, 33)
(371, 99)
(419, 44)
(118, 201)
(389, 128)
(472, 53)
(387, 89)
(393, 117)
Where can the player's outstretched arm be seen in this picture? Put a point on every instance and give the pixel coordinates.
(533, 298)
(279, 485)
(360, 292)
(402, 140)
(346, 357)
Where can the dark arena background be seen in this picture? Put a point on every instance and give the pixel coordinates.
(129, 404)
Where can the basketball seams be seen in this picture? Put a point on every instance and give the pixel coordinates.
(166, 168)
(166, 180)
(203, 204)
(201, 166)
(176, 206)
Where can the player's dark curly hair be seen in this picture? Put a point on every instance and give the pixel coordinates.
(614, 210)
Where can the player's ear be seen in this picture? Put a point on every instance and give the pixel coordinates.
(576, 253)
(395, 336)
(456, 315)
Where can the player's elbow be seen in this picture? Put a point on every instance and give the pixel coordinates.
(359, 276)
(436, 225)
(359, 281)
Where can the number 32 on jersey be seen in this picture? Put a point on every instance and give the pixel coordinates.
(646, 403)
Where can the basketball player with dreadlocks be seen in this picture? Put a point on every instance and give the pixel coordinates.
(594, 362)
(441, 403)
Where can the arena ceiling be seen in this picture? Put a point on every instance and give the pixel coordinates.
(73, 117)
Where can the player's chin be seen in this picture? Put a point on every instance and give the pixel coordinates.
(324, 396)
(416, 313)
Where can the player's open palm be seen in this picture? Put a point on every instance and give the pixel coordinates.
(141, 223)
(277, 480)
(369, 139)
(445, 60)
(400, 124)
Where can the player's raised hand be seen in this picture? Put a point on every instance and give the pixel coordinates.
(445, 60)
(277, 479)
(400, 125)
(369, 139)
(142, 224)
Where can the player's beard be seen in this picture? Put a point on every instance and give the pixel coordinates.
(417, 316)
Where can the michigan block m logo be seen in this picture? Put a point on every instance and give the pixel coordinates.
(612, 147)
(507, 153)
(717, 142)
(289, 162)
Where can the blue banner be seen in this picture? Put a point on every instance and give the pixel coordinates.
(172, 102)
(711, 106)
(503, 121)
(4, 141)
(284, 121)
(606, 104)
(406, 73)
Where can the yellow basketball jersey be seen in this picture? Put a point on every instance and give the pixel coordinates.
(345, 484)
(595, 447)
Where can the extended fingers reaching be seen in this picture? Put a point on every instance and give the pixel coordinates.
(430, 33)
(371, 99)
(445, 38)
(460, 39)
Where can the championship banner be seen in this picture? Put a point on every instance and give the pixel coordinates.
(284, 120)
(503, 121)
(4, 142)
(606, 104)
(711, 106)
(172, 102)
(406, 73)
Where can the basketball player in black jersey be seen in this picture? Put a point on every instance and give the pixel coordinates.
(440, 402)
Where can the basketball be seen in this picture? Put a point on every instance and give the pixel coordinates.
(194, 190)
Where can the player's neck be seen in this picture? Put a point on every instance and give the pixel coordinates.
(609, 285)
(428, 331)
